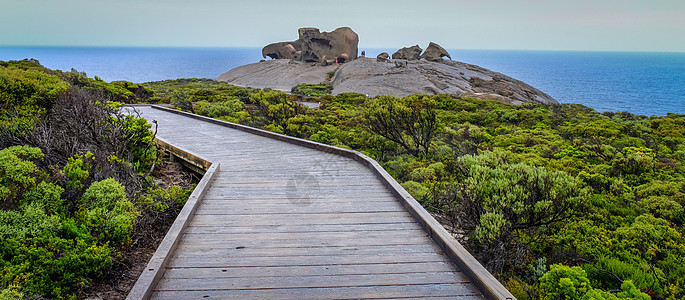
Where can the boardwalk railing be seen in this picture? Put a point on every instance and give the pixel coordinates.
(155, 267)
(484, 280)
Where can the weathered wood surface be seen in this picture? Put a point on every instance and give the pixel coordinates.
(285, 221)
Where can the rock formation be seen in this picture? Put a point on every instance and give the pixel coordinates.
(408, 53)
(371, 77)
(383, 57)
(281, 50)
(435, 52)
(340, 45)
(292, 65)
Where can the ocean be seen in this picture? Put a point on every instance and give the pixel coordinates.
(637, 82)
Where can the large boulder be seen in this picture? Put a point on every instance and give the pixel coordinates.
(408, 53)
(281, 50)
(383, 57)
(340, 45)
(288, 51)
(435, 52)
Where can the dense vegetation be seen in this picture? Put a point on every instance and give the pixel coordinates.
(558, 201)
(74, 189)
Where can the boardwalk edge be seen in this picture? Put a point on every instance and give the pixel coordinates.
(481, 277)
(154, 270)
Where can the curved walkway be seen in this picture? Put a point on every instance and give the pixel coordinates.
(281, 220)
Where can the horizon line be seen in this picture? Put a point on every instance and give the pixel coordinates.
(360, 48)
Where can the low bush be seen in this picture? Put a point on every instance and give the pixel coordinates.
(315, 90)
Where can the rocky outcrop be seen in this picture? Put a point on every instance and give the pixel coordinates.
(383, 57)
(373, 78)
(435, 52)
(277, 74)
(315, 55)
(408, 53)
(340, 46)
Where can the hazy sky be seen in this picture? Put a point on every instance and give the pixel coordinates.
(623, 25)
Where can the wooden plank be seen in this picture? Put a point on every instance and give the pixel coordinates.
(267, 200)
(228, 194)
(287, 199)
(314, 192)
(203, 245)
(259, 170)
(301, 219)
(325, 270)
(288, 228)
(248, 172)
(316, 281)
(365, 216)
(247, 178)
(328, 182)
(373, 250)
(181, 259)
(451, 290)
(295, 207)
(234, 179)
(318, 237)
(307, 188)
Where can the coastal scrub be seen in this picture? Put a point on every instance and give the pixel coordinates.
(558, 191)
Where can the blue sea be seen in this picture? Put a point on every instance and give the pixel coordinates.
(637, 82)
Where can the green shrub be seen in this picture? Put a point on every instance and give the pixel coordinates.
(116, 89)
(219, 109)
(18, 172)
(181, 100)
(51, 266)
(417, 190)
(563, 282)
(661, 206)
(422, 174)
(28, 222)
(103, 194)
(411, 122)
(315, 90)
(516, 195)
(350, 98)
(160, 199)
(265, 97)
(107, 210)
(77, 169)
(11, 292)
(28, 87)
(139, 138)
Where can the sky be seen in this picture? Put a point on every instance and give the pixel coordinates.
(594, 25)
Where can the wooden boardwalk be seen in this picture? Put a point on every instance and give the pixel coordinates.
(283, 221)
